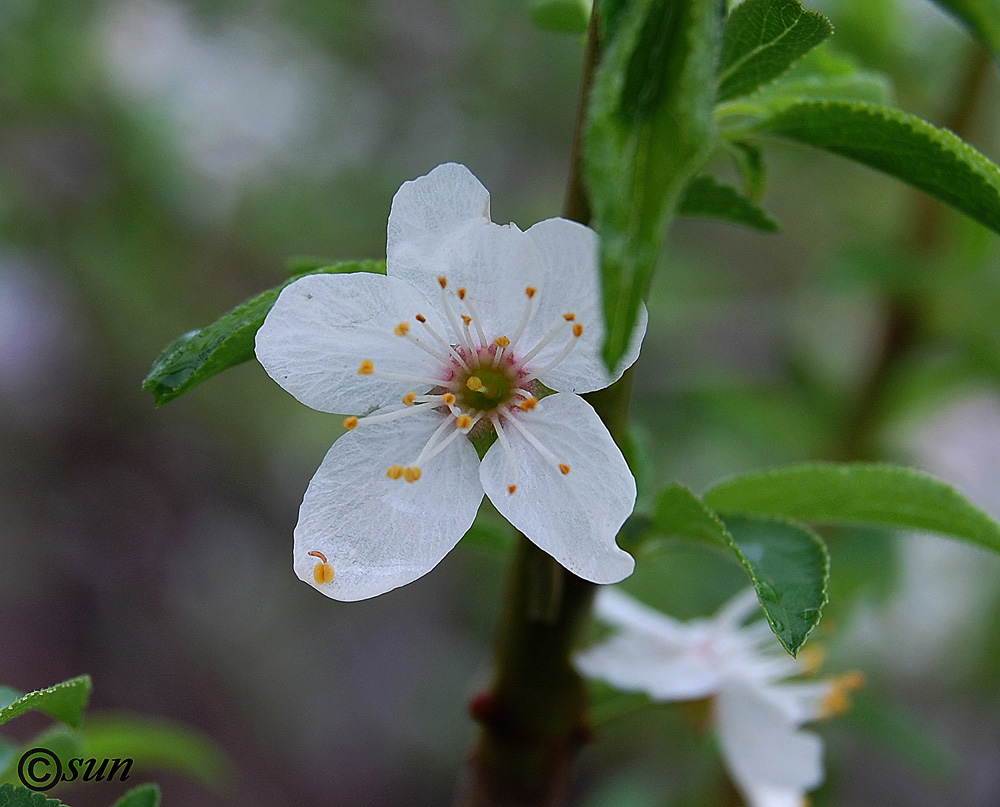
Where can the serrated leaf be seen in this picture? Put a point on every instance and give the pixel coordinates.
(762, 39)
(982, 16)
(787, 563)
(157, 744)
(650, 128)
(147, 795)
(901, 145)
(707, 198)
(65, 702)
(881, 495)
(198, 355)
(17, 796)
(561, 16)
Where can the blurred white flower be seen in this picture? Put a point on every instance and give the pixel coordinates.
(743, 668)
(472, 325)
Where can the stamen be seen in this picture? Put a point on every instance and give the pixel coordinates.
(440, 340)
(410, 398)
(475, 383)
(466, 321)
(323, 571)
(577, 333)
(350, 423)
(544, 342)
(448, 399)
(463, 422)
(451, 315)
(367, 368)
(385, 417)
(530, 293)
(501, 342)
(837, 701)
(529, 404)
(548, 455)
(394, 472)
(508, 453)
(402, 329)
(476, 319)
(411, 474)
(569, 317)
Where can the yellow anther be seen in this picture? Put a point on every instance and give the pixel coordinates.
(350, 423)
(463, 421)
(578, 330)
(322, 571)
(466, 319)
(564, 468)
(837, 700)
(367, 367)
(411, 474)
(442, 281)
(569, 317)
(529, 404)
(501, 341)
(402, 329)
(475, 383)
(811, 659)
(394, 472)
(511, 489)
(420, 318)
(461, 294)
(530, 291)
(410, 398)
(448, 399)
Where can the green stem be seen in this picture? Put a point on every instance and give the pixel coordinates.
(533, 718)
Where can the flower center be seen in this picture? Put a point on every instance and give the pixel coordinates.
(480, 380)
(484, 388)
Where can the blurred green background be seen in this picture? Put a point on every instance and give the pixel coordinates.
(161, 160)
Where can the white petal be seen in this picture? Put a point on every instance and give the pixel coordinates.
(574, 517)
(569, 253)
(380, 533)
(769, 757)
(637, 663)
(435, 206)
(615, 607)
(323, 326)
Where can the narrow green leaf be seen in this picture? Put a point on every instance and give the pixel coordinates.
(883, 495)
(17, 796)
(65, 702)
(147, 795)
(707, 198)
(787, 563)
(762, 39)
(650, 128)
(750, 163)
(982, 16)
(159, 745)
(561, 16)
(901, 145)
(198, 355)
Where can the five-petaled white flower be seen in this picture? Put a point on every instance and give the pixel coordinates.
(758, 714)
(471, 326)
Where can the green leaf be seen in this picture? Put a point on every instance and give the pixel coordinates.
(147, 795)
(901, 145)
(707, 198)
(65, 702)
(8, 753)
(787, 563)
(750, 163)
(17, 796)
(650, 129)
(882, 495)
(198, 355)
(561, 16)
(762, 39)
(60, 740)
(982, 16)
(157, 744)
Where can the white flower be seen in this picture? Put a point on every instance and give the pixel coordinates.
(771, 760)
(472, 325)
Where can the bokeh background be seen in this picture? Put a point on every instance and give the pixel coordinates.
(161, 160)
